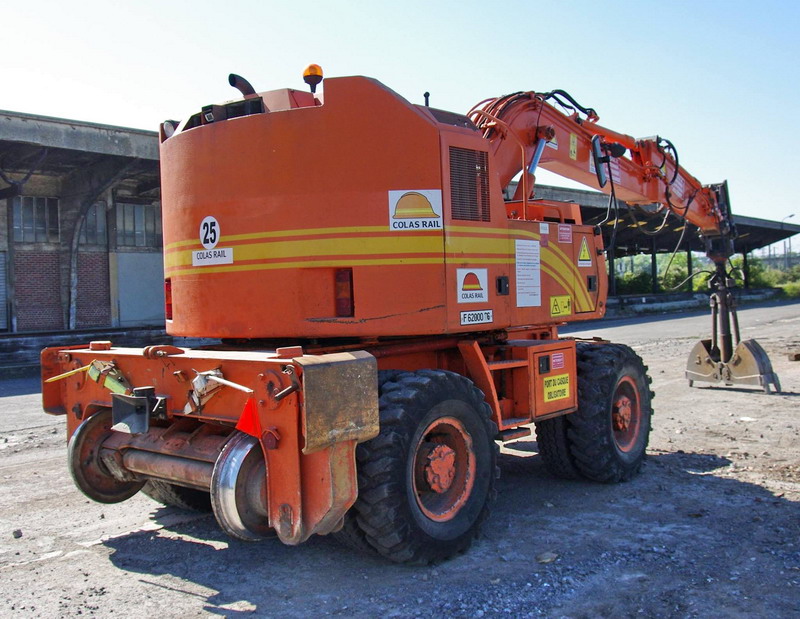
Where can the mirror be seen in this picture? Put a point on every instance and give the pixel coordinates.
(599, 161)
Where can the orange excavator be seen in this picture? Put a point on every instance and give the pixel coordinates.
(385, 317)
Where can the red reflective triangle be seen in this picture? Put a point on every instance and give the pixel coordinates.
(248, 420)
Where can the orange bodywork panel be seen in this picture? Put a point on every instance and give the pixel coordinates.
(297, 194)
(358, 216)
(524, 380)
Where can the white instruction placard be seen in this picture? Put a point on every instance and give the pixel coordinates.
(529, 275)
(206, 257)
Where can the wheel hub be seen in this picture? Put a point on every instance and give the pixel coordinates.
(440, 469)
(626, 414)
(443, 469)
(623, 412)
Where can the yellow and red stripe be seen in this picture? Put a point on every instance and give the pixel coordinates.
(377, 246)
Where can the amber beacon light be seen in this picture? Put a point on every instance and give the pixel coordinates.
(312, 75)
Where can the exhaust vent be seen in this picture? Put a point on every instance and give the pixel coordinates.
(469, 184)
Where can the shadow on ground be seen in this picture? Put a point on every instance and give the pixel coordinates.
(682, 518)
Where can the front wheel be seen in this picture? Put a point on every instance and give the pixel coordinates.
(426, 481)
(608, 434)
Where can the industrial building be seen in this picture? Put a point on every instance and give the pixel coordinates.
(81, 244)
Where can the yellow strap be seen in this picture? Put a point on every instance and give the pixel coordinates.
(67, 374)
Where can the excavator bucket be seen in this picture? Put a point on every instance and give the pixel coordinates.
(715, 360)
(749, 365)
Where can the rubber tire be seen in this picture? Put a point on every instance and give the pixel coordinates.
(590, 432)
(174, 495)
(554, 447)
(351, 535)
(387, 510)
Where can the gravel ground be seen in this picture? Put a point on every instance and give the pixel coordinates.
(710, 527)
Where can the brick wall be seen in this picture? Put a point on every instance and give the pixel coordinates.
(37, 290)
(94, 309)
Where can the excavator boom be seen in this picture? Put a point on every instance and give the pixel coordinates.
(525, 131)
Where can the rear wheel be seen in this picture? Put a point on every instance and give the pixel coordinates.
(174, 495)
(426, 481)
(351, 534)
(608, 434)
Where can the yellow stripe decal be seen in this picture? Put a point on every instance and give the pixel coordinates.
(484, 245)
(321, 247)
(550, 255)
(231, 268)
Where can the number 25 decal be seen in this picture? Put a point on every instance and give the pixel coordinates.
(209, 232)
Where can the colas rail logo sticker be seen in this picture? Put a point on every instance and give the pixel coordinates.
(472, 285)
(419, 209)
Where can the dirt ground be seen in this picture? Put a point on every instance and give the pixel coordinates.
(710, 528)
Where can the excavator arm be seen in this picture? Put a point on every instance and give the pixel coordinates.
(525, 130)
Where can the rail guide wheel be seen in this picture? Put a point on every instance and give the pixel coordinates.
(239, 489)
(88, 471)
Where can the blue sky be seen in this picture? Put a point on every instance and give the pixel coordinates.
(719, 79)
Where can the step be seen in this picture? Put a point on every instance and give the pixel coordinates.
(514, 433)
(507, 364)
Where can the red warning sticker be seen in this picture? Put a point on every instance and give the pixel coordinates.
(557, 360)
(564, 233)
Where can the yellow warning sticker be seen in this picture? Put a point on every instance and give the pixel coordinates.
(573, 146)
(584, 256)
(556, 387)
(561, 305)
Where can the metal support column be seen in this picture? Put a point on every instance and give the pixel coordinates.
(689, 282)
(654, 266)
(746, 269)
(612, 275)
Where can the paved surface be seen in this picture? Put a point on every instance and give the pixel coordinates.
(710, 528)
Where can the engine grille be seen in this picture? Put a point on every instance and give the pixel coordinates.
(469, 184)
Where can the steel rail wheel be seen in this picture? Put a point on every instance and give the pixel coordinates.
(426, 481)
(239, 489)
(88, 471)
(608, 434)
